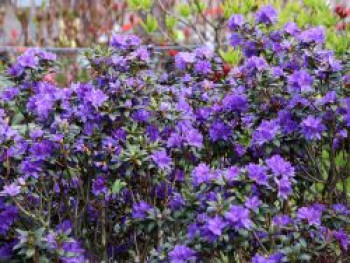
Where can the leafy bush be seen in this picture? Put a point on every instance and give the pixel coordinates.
(195, 164)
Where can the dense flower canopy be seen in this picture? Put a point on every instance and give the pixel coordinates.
(189, 165)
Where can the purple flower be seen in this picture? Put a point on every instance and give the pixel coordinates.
(176, 201)
(182, 254)
(312, 128)
(257, 173)
(300, 81)
(99, 186)
(96, 97)
(232, 173)
(329, 98)
(281, 220)
(235, 102)
(313, 35)
(310, 214)
(250, 48)
(287, 124)
(280, 167)
(152, 133)
(266, 132)
(236, 40)
(341, 209)
(252, 203)
(266, 15)
(6, 251)
(343, 238)
(183, 59)
(291, 28)
(9, 94)
(125, 41)
(175, 140)
(236, 21)
(16, 70)
(239, 216)
(219, 130)
(201, 174)
(202, 67)
(11, 190)
(119, 134)
(194, 138)
(47, 55)
(257, 63)
(162, 159)
(277, 71)
(284, 188)
(216, 225)
(274, 258)
(28, 60)
(140, 210)
(141, 115)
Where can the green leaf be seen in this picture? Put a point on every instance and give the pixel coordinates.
(118, 186)
(170, 22)
(231, 56)
(134, 4)
(151, 24)
(184, 10)
(30, 253)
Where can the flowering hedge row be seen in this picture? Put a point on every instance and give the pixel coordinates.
(192, 165)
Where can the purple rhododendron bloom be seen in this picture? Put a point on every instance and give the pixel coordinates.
(280, 167)
(162, 159)
(176, 201)
(341, 209)
(257, 173)
(232, 173)
(28, 60)
(266, 15)
(257, 63)
(11, 190)
(239, 216)
(291, 28)
(202, 67)
(310, 214)
(329, 98)
(236, 21)
(194, 138)
(312, 128)
(216, 225)
(236, 40)
(125, 41)
(16, 70)
(140, 210)
(313, 35)
(182, 254)
(300, 81)
(175, 140)
(201, 174)
(152, 133)
(96, 97)
(99, 186)
(281, 220)
(219, 130)
(183, 59)
(253, 203)
(235, 102)
(343, 238)
(141, 115)
(284, 188)
(266, 132)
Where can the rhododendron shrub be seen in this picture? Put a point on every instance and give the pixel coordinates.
(191, 165)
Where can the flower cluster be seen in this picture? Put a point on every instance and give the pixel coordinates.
(190, 165)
